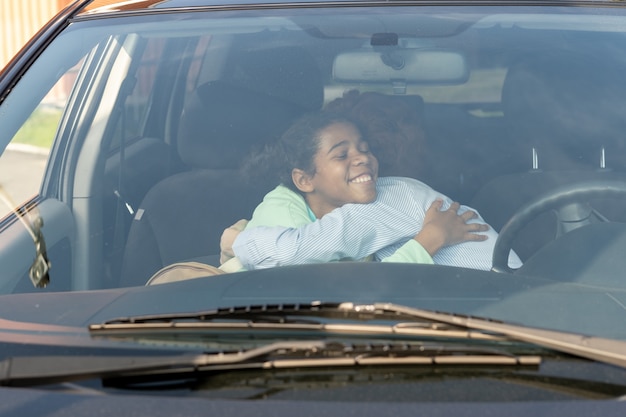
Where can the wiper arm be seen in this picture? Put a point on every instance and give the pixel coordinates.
(589, 347)
(418, 323)
(286, 318)
(42, 370)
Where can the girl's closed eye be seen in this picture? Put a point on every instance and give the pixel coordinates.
(339, 152)
(364, 147)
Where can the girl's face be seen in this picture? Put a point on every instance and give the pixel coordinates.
(345, 171)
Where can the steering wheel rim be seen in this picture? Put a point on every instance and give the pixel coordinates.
(553, 199)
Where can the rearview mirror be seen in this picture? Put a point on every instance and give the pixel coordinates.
(418, 66)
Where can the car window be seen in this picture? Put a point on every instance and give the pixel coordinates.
(26, 156)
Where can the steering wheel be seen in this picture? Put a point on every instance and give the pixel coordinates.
(569, 197)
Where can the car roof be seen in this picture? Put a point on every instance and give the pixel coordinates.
(91, 7)
(109, 6)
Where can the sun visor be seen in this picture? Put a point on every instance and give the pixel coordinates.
(411, 66)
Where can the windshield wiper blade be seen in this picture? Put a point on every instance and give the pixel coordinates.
(590, 347)
(42, 370)
(287, 319)
(278, 313)
(428, 322)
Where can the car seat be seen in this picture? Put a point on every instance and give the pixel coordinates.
(183, 216)
(561, 107)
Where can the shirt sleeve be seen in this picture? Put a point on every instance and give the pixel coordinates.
(280, 207)
(410, 252)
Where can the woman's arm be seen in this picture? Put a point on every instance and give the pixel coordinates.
(353, 231)
(282, 231)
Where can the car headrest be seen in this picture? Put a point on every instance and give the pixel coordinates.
(564, 97)
(287, 73)
(263, 92)
(222, 123)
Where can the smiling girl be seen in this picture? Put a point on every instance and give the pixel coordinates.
(326, 171)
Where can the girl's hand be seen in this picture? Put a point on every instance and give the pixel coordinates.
(447, 227)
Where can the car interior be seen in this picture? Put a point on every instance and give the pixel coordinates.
(262, 90)
(193, 107)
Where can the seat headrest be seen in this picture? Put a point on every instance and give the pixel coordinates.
(566, 96)
(222, 123)
(288, 73)
(263, 92)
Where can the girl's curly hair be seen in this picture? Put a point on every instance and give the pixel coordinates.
(296, 148)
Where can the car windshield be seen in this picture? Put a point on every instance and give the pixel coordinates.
(467, 159)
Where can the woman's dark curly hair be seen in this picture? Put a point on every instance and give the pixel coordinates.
(391, 125)
(296, 148)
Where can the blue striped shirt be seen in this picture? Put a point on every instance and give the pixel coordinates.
(355, 231)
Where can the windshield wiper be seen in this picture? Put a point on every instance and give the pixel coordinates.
(317, 319)
(407, 322)
(334, 345)
(42, 370)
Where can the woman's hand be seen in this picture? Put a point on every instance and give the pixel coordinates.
(228, 238)
(447, 227)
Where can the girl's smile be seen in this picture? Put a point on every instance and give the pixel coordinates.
(362, 178)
